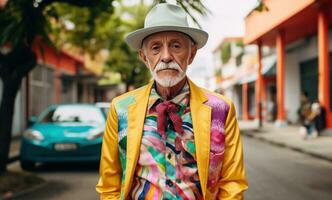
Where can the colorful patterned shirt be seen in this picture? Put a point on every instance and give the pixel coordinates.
(167, 168)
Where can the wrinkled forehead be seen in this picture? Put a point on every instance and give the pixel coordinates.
(166, 35)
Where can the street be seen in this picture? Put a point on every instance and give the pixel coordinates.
(276, 173)
(273, 173)
(65, 181)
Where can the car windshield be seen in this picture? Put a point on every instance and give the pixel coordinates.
(104, 107)
(79, 114)
(105, 111)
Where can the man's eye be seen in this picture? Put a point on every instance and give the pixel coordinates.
(155, 48)
(176, 46)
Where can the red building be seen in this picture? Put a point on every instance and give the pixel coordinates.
(299, 30)
(57, 78)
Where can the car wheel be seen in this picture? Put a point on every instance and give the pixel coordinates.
(28, 165)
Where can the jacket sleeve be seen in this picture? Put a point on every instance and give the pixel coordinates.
(109, 184)
(233, 182)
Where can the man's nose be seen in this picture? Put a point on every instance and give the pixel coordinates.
(166, 55)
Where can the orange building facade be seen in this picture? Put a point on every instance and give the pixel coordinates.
(56, 79)
(300, 33)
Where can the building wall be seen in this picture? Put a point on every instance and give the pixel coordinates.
(216, 61)
(310, 48)
(299, 51)
(292, 87)
(237, 100)
(232, 94)
(41, 89)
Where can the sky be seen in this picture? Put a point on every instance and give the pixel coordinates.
(226, 20)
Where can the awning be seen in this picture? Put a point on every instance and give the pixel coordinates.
(268, 69)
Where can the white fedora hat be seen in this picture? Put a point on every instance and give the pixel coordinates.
(166, 17)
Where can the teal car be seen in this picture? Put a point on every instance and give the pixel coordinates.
(62, 133)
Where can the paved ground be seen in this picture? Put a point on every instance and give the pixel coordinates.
(289, 137)
(273, 172)
(276, 173)
(65, 182)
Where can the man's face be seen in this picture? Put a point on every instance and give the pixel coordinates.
(167, 55)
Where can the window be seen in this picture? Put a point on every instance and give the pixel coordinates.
(73, 114)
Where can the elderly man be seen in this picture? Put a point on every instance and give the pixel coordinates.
(170, 139)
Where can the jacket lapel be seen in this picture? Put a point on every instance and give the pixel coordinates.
(136, 116)
(201, 117)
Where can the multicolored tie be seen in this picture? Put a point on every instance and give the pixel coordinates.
(170, 109)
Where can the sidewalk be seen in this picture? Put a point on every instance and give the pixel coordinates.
(14, 149)
(289, 137)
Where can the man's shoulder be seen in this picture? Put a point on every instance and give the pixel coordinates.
(220, 103)
(127, 98)
(212, 96)
(219, 98)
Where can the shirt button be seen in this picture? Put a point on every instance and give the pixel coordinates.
(169, 183)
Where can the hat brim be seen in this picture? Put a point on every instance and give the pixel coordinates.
(134, 39)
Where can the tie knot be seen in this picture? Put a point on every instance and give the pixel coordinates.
(167, 106)
(170, 109)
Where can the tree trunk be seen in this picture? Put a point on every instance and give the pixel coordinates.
(10, 88)
(13, 68)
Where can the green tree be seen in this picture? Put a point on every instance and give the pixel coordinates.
(86, 24)
(122, 58)
(21, 22)
(225, 52)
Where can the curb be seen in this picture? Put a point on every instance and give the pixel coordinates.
(13, 159)
(24, 192)
(280, 144)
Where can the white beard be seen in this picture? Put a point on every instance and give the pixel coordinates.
(167, 81)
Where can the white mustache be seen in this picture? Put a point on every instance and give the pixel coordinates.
(172, 65)
(167, 81)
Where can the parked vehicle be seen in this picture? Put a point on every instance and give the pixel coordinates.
(105, 106)
(71, 132)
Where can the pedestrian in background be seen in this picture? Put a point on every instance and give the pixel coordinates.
(314, 122)
(305, 108)
(171, 139)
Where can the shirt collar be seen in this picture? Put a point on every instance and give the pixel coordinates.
(180, 99)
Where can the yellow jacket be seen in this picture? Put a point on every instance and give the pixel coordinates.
(122, 139)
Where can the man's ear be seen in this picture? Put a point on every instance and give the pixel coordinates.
(192, 53)
(142, 56)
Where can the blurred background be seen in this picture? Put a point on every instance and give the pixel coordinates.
(62, 62)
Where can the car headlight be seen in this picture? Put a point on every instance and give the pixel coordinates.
(33, 134)
(95, 133)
